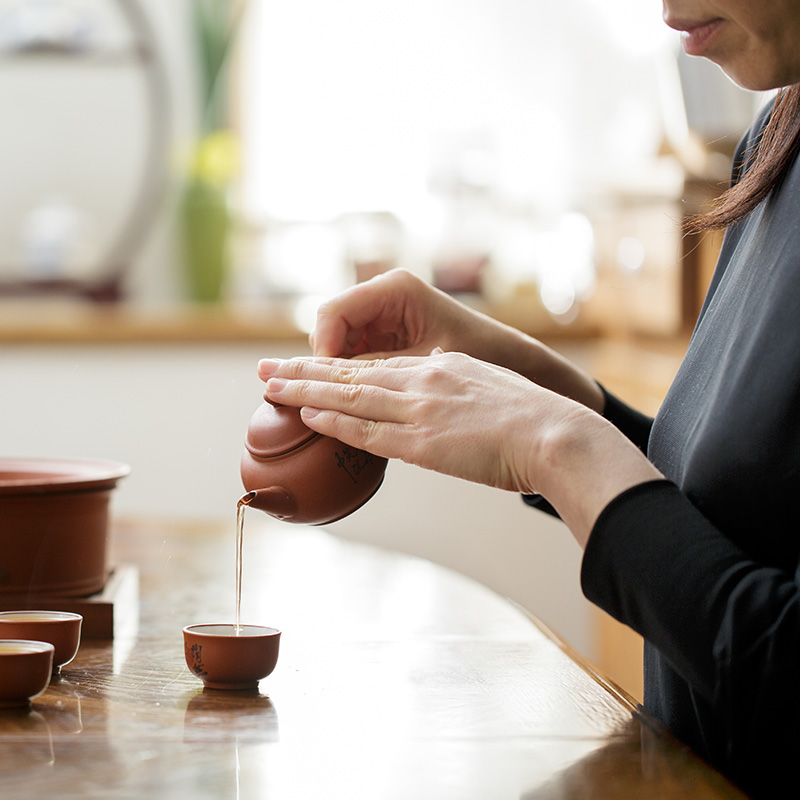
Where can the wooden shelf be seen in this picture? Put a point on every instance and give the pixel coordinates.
(33, 322)
(24, 321)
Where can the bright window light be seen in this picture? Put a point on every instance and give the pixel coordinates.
(348, 106)
(461, 119)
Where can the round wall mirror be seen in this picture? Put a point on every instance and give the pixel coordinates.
(82, 145)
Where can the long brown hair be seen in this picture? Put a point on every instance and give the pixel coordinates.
(775, 151)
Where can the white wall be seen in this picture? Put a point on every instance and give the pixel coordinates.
(178, 414)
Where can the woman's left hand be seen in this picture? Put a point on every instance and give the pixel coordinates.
(446, 412)
(456, 415)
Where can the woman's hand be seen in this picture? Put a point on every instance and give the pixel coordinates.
(399, 314)
(447, 412)
(453, 414)
(396, 313)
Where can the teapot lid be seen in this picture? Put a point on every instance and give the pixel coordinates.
(276, 429)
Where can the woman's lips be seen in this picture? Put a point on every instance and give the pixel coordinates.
(696, 37)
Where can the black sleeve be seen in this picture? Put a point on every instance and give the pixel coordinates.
(635, 425)
(730, 626)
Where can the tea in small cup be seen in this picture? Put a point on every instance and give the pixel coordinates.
(226, 656)
(25, 670)
(61, 628)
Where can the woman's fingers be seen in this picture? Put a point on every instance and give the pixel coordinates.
(382, 438)
(366, 401)
(369, 310)
(394, 313)
(380, 372)
(366, 404)
(334, 384)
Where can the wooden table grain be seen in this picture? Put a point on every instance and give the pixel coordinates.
(396, 679)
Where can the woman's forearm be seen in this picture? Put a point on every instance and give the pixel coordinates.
(581, 463)
(500, 344)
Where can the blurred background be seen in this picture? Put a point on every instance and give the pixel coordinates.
(181, 184)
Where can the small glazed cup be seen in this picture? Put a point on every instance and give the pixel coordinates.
(25, 670)
(62, 629)
(225, 656)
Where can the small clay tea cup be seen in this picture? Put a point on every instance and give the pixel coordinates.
(62, 629)
(25, 670)
(231, 657)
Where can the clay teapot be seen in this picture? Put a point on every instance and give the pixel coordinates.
(298, 475)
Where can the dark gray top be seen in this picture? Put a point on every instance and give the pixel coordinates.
(705, 564)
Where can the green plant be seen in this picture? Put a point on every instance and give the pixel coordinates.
(216, 23)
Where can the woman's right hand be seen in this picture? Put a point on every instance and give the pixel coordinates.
(400, 314)
(396, 313)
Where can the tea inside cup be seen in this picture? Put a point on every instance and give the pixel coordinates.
(233, 657)
(25, 670)
(62, 629)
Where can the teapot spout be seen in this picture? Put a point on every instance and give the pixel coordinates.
(276, 501)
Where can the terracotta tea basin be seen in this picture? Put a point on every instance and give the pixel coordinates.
(297, 475)
(25, 669)
(54, 516)
(231, 657)
(60, 628)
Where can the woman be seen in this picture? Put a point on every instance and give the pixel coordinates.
(689, 522)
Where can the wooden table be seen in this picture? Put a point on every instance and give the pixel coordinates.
(397, 679)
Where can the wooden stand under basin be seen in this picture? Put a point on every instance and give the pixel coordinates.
(106, 614)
